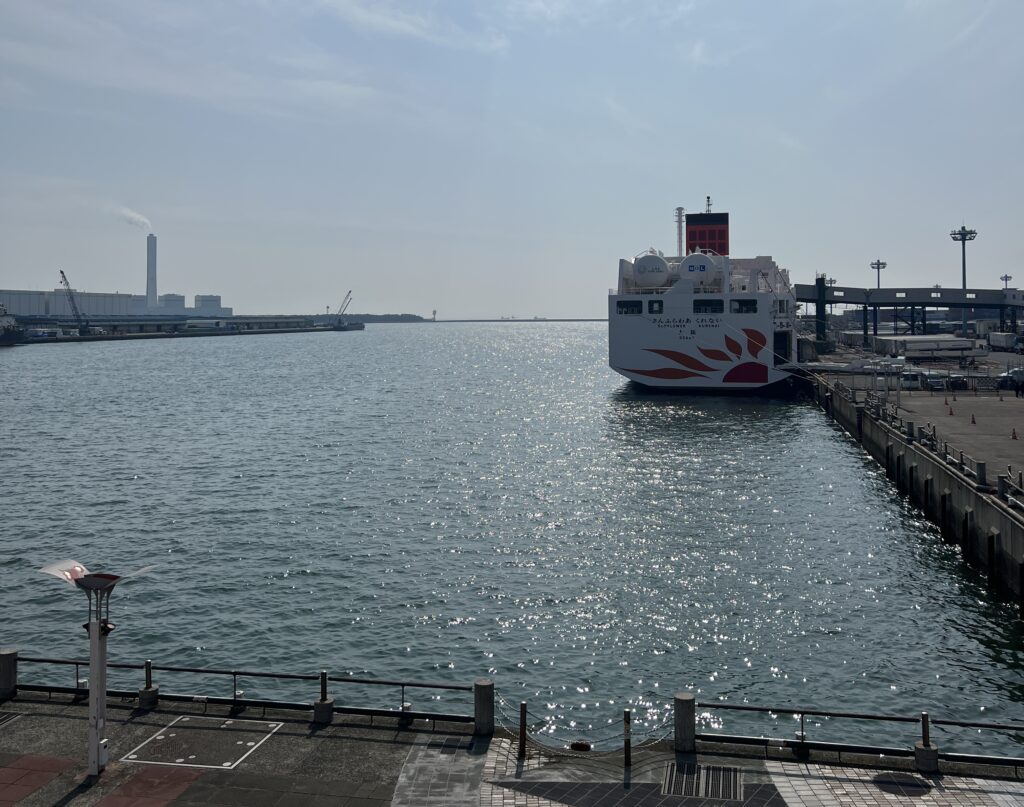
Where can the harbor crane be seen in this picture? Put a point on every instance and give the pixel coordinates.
(83, 325)
(344, 305)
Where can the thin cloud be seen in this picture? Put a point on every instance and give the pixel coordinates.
(625, 117)
(393, 21)
(80, 47)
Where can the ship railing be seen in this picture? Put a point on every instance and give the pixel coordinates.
(236, 697)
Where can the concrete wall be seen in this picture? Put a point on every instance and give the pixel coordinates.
(967, 510)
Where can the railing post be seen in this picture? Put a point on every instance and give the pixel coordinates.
(685, 718)
(979, 472)
(627, 744)
(323, 709)
(926, 755)
(149, 695)
(483, 707)
(522, 730)
(8, 673)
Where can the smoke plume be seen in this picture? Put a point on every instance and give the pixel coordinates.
(134, 218)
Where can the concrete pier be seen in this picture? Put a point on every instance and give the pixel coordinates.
(947, 453)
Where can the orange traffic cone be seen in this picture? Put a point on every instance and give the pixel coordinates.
(951, 410)
(1014, 435)
(954, 396)
(946, 400)
(973, 421)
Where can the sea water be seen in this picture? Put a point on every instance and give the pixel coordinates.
(442, 502)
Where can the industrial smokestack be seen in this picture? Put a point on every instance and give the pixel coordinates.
(151, 298)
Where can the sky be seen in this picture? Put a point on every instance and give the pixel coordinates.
(488, 158)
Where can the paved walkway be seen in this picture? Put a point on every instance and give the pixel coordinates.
(183, 754)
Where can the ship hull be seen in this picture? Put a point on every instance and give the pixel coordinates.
(667, 346)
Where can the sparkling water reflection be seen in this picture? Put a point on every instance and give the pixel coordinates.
(442, 502)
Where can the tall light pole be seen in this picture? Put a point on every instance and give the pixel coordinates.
(878, 265)
(1006, 281)
(963, 235)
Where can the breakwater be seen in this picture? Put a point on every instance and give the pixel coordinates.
(973, 506)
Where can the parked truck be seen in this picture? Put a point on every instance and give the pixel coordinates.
(1002, 341)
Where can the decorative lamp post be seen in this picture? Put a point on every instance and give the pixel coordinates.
(98, 587)
(1006, 281)
(963, 235)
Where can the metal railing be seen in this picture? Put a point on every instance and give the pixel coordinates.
(237, 699)
(923, 720)
(538, 732)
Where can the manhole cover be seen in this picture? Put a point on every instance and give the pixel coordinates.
(203, 742)
(703, 781)
(7, 717)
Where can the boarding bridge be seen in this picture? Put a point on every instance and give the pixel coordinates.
(914, 302)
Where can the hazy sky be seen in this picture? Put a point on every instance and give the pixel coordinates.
(497, 157)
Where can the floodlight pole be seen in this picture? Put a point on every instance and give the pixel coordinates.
(963, 235)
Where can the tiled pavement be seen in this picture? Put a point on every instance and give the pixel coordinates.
(824, 785)
(21, 775)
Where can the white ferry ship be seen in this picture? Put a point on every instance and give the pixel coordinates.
(703, 321)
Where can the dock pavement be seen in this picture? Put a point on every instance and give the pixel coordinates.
(187, 754)
(981, 424)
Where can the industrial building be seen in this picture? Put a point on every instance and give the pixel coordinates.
(22, 303)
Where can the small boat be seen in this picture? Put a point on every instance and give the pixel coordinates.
(10, 333)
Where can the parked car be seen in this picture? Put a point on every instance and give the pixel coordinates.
(1011, 378)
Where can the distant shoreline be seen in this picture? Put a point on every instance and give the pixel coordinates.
(545, 319)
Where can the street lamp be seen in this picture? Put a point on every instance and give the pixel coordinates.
(963, 235)
(98, 588)
(1006, 281)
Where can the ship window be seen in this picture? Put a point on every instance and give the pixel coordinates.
(971, 295)
(630, 307)
(743, 306)
(708, 306)
(783, 306)
(655, 306)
